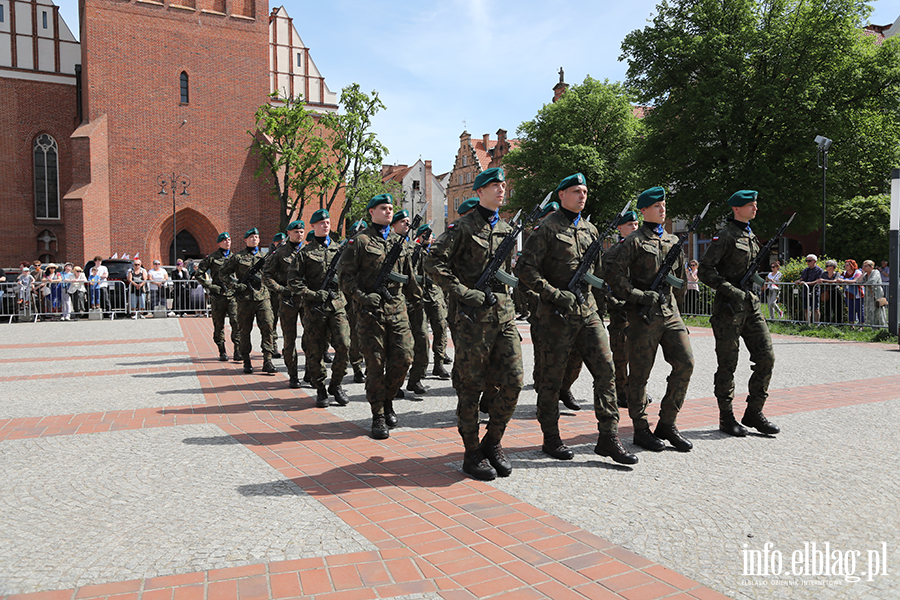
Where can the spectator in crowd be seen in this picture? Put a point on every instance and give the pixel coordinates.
(772, 290)
(885, 271)
(103, 285)
(692, 295)
(37, 271)
(875, 302)
(812, 273)
(158, 278)
(94, 283)
(137, 287)
(26, 286)
(50, 290)
(180, 278)
(77, 291)
(67, 277)
(3, 288)
(829, 296)
(853, 294)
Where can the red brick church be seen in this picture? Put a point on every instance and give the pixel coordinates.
(158, 97)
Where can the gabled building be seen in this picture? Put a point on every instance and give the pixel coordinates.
(473, 157)
(420, 187)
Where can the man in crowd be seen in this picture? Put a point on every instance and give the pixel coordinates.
(275, 276)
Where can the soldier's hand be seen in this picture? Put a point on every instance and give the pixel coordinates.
(240, 288)
(286, 295)
(733, 294)
(372, 300)
(649, 298)
(472, 297)
(323, 296)
(564, 299)
(215, 290)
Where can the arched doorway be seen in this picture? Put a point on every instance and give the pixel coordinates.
(187, 247)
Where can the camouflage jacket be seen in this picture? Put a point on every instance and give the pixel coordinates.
(278, 263)
(236, 267)
(431, 292)
(461, 255)
(727, 259)
(361, 263)
(208, 273)
(307, 273)
(613, 304)
(638, 261)
(551, 256)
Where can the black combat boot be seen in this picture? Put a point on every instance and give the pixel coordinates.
(608, 444)
(646, 440)
(671, 434)
(321, 396)
(248, 368)
(493, 451)
(439, 370)
(276, 354)
(294, 383)
(728, 424)
(554, 447)
(380, 428)
(328, 358)
(568, 399)
(238, 357)
(758, 421)
(390, 417)
(476, 465)
(340, 396)
(306, 377)
(268, 367)
(447, 360)
(416, 387)
(223, 356)
(358, 376)
(400, 395)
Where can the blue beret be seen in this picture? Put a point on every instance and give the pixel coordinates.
(576, 179)
(651, 196)
(627, 218)
(486, 177)
(423, 229)
(743, 198)
(223, 236)
(380, 199)
(298, 224)
(319, 215)
(400, 215)
(467, 205)
(251, 231)
(278, 237)
(552, 207)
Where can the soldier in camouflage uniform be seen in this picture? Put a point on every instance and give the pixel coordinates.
(452, 307)
(553, 253)
(736, 314)
(488, 342)
(277, 242)
(324, 317)
(435, 309)
(275, 275)
(252, 298)
(356, 357)
(384, 333)
(630, 276)
(208, 273)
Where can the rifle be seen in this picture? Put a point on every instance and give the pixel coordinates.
(583, 272)
(493, 272)
(391, 259)
(254, 270)
(417, 255)
(664, 275)
(331, 273)
(751, 277)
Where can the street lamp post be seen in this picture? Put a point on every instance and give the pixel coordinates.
(823, 144)
(173, 182)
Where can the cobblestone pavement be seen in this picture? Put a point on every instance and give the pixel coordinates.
(136, 466)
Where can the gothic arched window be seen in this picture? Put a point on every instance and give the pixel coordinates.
(185, 88)
(46, 177)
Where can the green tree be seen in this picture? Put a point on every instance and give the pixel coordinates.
(354, 150)
(293, 154)
(591, 130)
(860, 227)
(739, 90)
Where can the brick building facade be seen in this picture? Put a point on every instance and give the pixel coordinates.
(473, 157)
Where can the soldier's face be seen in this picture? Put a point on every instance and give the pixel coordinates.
(628, 228)
(655, 213)
(382, 214)
(491, 195)
(295, 235)
(401, 227)
(225, 244)
(252, 240)
(322, 227)
(745, 213)
(573, 198)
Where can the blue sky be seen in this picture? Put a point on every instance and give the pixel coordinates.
(489, 63)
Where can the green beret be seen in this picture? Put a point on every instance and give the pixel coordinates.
(423, 229)
(552, 207)
(278, 237)
(486, 177)
(251, 231)
(223, 236)
(467, 205)
(627, 218)
(310, 235)
(298, 224)
(651, 196)
(380, 199)
(319, 215)
(400, 215)
(743, 197)
(355, 225)
(576, 179)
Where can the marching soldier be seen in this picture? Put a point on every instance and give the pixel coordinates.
(356, 357)
(384, 333)
(452, 307)
(630, 276)
(324, 317)
(435, 310)
(736, 314)
(416, 312)
(488, 342)
(242, 274)
(221, 297)
(277, 242)
(552, 255)
(275, 275)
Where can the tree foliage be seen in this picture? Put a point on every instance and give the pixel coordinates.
(293, 154)
(860, 227)
(741, 88)
(591, 130)
(368, 184)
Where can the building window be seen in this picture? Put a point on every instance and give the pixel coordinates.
(468, 178)
(300, 60)
(46, 178)
(465, 160)
(415, 184)
(45, 18)
(185, 89)
(2, 16)
(456, 204)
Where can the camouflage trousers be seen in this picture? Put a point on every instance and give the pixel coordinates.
(618, 343)
(573, 365)
(276, 312)
(584, 337)
(320, 328)
(436, 313)
(387, 345)
(419, 328)
(729, 328)
(223, 306)
(261, 310)
(289, 316)
(671, 335)
(486, 352)
(355, 356)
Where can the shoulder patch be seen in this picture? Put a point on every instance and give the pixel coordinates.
(536, 227)
(715, 238)
(622, 241)
(351, 240)
(451, 225)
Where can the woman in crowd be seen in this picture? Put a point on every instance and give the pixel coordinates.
(853, 294)
(772, 290)
(67, 277)
(831, 307)
(137, 286)
(77, 291)
(158, 278)
(875, 302)
(180, 279)
(50, 289)
(692, 295)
